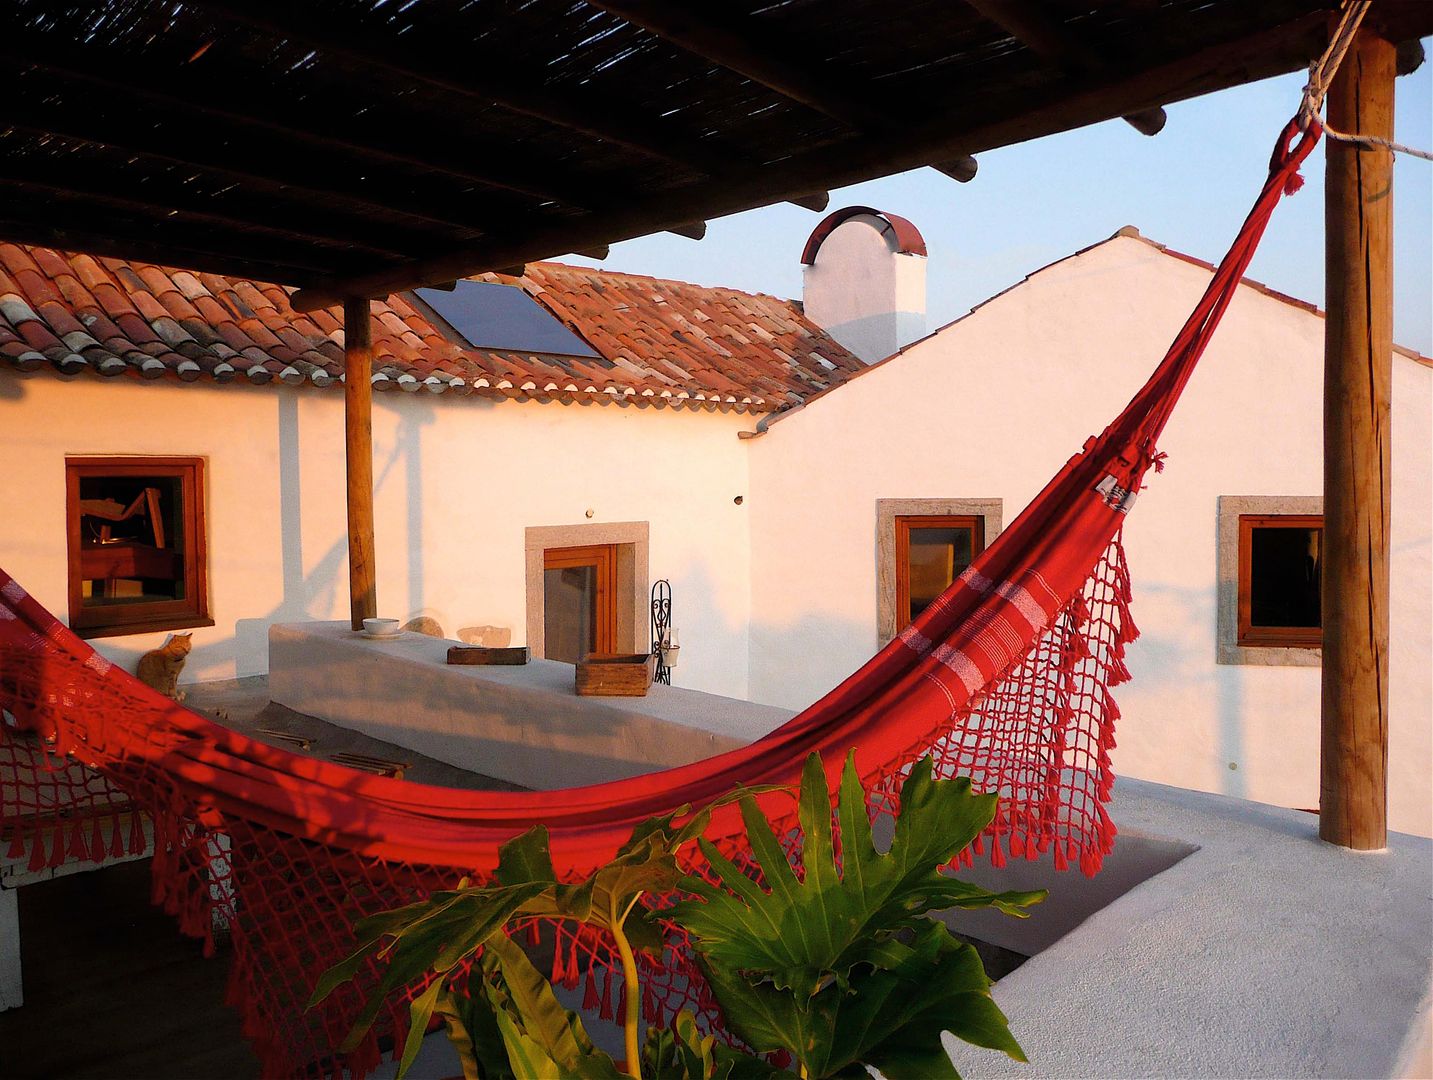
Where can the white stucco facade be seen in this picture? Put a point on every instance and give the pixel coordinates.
(457, 481)
(776, 596)
(992, 405)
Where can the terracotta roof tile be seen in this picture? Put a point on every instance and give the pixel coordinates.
(659, 342)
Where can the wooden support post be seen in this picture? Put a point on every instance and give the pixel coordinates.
(358, 452)
(1358, 349)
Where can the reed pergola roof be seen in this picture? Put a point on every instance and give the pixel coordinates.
(357, 147)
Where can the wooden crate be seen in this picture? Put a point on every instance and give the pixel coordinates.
(615, 674)
(483, 655)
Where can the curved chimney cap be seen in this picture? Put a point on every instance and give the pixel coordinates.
(908, 238)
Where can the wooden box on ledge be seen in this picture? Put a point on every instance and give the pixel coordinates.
(615, 674)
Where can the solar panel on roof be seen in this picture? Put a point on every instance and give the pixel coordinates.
(495, 316)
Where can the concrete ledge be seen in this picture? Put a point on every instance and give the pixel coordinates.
(1263, 953)
(524, 724)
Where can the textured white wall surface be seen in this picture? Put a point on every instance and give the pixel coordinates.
(992, 405)
(456, 482)
(864, 293)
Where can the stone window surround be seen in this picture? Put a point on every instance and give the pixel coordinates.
(1228, 649)
(632, 539)
(887, 510)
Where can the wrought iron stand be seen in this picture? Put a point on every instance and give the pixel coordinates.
(662, 628)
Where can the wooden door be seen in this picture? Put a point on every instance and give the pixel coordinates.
(579, 601)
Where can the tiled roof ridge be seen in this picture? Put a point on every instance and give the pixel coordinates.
(632, 275)
(661, 342)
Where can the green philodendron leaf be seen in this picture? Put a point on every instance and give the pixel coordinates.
(841, 965)
(682, 1052)
(895, 1018)
(526, 858)
(434, 936)
(474, 1033)
(542, 1038)
(803, 933)
(419, 1013)
(891, 1019)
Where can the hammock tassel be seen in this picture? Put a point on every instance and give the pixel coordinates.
(606, 1011)
(16, 847)
(97, 844)
(78, 849)
(589, 996)
(37, 851)
(57, 851)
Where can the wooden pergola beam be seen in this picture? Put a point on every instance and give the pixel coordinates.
(1358, 374)
(127, 247)
(223, 122)
(62, 216)
(1271, 52)
(482, 78)
(744, 46)
(358, 458)
(1045, 37)
(140, 137)
(177, 208)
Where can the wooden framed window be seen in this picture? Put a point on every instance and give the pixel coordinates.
(579, 601)
(136, 544)
(931, 550)
(1280, 569)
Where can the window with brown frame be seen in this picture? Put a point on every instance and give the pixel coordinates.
(931, 551)
(136, 544)
(579, 587)
(1280, 567)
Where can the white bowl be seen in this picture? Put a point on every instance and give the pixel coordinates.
(380, 627)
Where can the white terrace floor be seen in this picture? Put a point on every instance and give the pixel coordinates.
(1264, 953)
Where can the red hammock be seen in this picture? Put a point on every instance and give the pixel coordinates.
(1005, 678)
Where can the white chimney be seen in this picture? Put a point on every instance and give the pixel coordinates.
(864, 281)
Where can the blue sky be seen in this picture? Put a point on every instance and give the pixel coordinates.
(1188, 187)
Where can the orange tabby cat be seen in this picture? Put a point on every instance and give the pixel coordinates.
(159, 668)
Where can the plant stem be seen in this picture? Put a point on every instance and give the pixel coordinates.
(632, 1021)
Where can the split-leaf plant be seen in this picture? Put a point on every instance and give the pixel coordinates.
(840, 966)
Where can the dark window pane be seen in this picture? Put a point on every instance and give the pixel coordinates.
(937, 555)
(570, 612)
(1284, 569)
(131, 540)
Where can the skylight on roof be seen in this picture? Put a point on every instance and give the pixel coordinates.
(491, 316)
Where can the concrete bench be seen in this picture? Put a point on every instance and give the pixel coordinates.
(522, 724)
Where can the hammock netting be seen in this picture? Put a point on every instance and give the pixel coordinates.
(1006, 679)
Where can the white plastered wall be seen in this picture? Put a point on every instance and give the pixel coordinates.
(994, 404)
(457, 480)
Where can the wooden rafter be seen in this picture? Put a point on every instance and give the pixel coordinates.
(742, 45)
(222, 121)
(195, 211)
(482, 78)
(138, 136)
(1028, 23)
